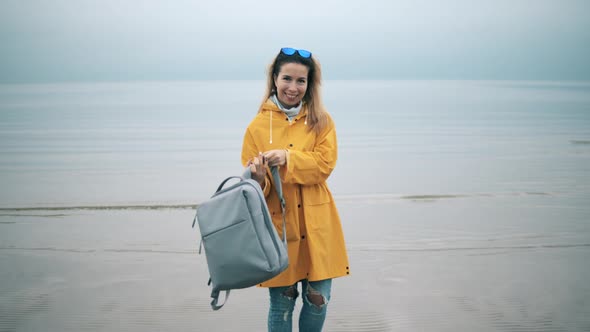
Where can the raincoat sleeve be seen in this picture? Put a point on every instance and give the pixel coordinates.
(313, 167)
(249, 151)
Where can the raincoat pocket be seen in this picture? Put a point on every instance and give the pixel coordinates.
(315, 195)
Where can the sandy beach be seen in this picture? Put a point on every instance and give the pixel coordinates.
(416, 266)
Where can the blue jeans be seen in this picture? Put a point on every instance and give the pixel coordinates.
(313, 313)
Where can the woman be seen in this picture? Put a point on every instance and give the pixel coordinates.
(293, 131)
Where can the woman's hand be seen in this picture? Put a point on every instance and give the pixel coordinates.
(276, 157)
(258, 168)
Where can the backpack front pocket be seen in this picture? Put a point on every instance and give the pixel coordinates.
(236, 253)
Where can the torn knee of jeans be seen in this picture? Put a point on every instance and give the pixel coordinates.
(291, 292)
(315, 297)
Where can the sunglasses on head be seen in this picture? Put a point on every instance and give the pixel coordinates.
(290, 51)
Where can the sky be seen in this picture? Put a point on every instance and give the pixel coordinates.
(128, 40)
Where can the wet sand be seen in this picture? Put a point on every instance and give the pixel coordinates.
(421, 264)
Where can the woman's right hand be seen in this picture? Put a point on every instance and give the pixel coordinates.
(258, 167)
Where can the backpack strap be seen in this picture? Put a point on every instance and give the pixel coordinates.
(279, 188)
(215, 297)
(274, 170)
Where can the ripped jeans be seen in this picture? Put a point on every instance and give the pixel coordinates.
(313, 313)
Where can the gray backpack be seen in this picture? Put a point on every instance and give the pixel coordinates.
(241, 243)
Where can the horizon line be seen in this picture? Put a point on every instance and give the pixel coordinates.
(84, 81)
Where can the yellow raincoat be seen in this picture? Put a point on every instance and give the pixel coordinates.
(314, 234)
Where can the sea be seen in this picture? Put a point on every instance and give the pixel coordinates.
(465, 204)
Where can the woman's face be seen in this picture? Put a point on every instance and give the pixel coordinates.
(291, 83)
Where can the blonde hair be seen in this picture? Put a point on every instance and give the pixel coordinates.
(317, 118)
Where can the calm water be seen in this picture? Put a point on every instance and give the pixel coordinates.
(172, 142)
(464, 204)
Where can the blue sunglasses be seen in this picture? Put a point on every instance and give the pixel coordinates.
(290, 51)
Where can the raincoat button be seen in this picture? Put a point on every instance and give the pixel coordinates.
(298, 205)
(290, 144)
(303, 237)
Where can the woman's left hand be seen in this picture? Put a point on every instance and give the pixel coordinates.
(276, 157)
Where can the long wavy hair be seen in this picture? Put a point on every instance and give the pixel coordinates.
(317, 118)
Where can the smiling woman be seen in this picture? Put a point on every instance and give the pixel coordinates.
(291, 83)
(303, 145)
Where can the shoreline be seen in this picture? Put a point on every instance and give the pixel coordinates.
(346, 198)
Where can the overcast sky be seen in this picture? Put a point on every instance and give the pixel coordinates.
(119, 40)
